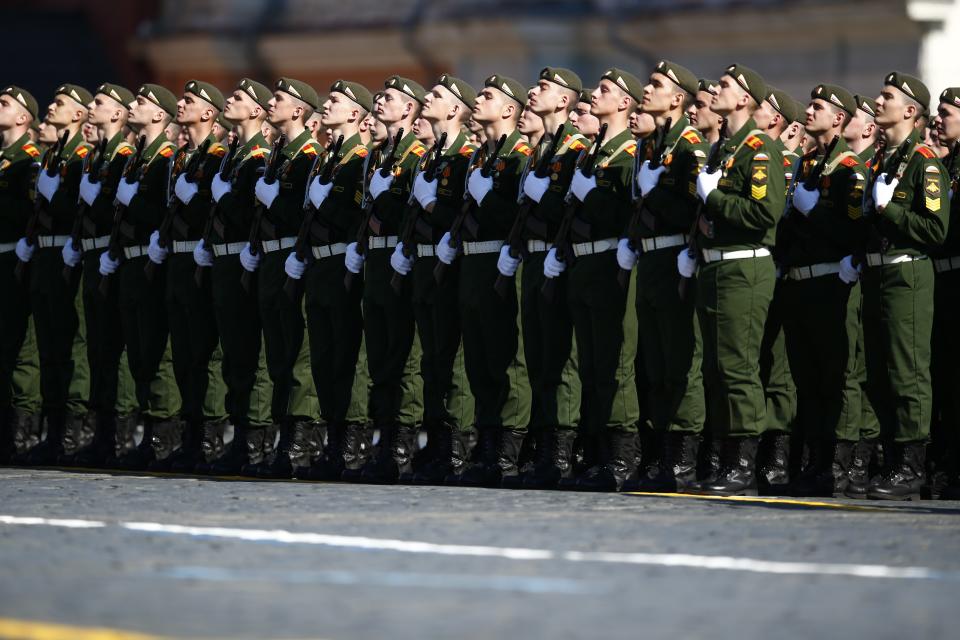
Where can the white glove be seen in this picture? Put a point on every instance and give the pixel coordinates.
(803, 200)
(185, 190)
(24, 250)
(249, 261)
(319, 191)
(267, 193)
(399, 262)
(445, 253)
(353, 260)
(379, 184)
(202, 256)
(108, 266)
(849, 273)
(551, 266)
(425, 192)
(648, 178)
(626, 257)
(126, 191)
(686, 264)
(582, 185)
(479, 186)
(707, 183)
(535, 187)
(883, 192)
(71, 256)
(507, 264)
(219, 187)
(47, 185)
(89, 190)
(155, 252)
(294, 267)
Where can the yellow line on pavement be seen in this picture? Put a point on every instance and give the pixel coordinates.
(790, 502)
(29, 630)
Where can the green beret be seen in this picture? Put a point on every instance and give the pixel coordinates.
(865, 105)
(206, 91)
(681, 76)
(460, 88)
(626, 81)
(708, 85)
(750, 80)
(406, 86)
(835, 95)
(563, 77)
(26, 100)
(355, 91)
(160, 97)
(223, 122)
(911, 86)
(951, 96)
(116, 92)
(586, 95)
(509, 86)
(76, 92)
(258, 92)
(299, 90)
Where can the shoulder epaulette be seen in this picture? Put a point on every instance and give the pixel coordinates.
(467, 150)
(309, 148)
(259, 152)
(926, 152)
(691, 136)
(578, 144)
(166, 151)
(754, 142)
(787, 162)
(418, 149)
(631, 148)
(124, 149)
(849, 161)
(31, 150)
(362, 151)
(524, 148)
(82, 150)
(217, 149)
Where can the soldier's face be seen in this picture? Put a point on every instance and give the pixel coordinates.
(283, 108)
(338, 110)
(191, 110)
(891, 107)
(585, 122)
(423, 131)
(393, 106)
(530, 123)
(63, 110)
(820, 116)
(143, 112)
(947, 122)
(641, 123)
(606, 99)
(104, 109)
(699, 112)
(12, 113)
(489, 106)
(546, 97)
(659, 94)
(239, 107)
(47, 133)
(439, 104)
(728, 97)
(765, 115)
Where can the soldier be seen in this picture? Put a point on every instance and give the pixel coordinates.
(670, 338)
(222, 129)
(862, 133)
(742, 203)
(18, 109)
(907, 220)
(603, 312)
(586, 123)
(448, 405)
(821, 313)
(699, 113)
(492, 344)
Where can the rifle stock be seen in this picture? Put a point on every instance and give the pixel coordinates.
(91, 168)
(269, 176)
(225, 173)
(113, 246)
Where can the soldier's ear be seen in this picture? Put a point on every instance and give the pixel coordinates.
(257, 110)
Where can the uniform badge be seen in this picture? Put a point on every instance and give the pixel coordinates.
(758, 182)
(501, 165)
(931, 189)
(4, 164)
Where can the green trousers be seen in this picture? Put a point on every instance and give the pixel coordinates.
(779, 389)
(24, 388)
(898, 326)
(78, 393)
(670, 345)
(605, 322)
(733, 297)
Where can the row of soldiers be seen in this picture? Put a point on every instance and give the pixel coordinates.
(676, 284)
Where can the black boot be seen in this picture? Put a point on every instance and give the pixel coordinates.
(234, 457)
(905, 477)
(498, 450)
(678, 465)
(329, 464)
(25, 429)
(101, 447)
(450, 457)
(206, 446)
(78, 432)
(773, 464)
(186, 455)
(297, 447)
(585, 456)
(862, 469)
(737, 475)
(554, 459)
(365, 451)
(618, 450)
(817, 479)
(394, 456)
(708, 461)
(49, 451)
(424, 455)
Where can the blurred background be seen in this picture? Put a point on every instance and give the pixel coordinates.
(794, 44)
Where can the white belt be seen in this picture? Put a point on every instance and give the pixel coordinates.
(7, 247)
(714, 255)
(538, 246)
(45, 242)
(597, 246)
(90, 244)
(814, 271)
(946, 264)
(382, 242)
(662, 242)
(135, 252)
(877, 259)
(269, 246)
(185, 246)
(329, 250)
(229, 249)
(488, 246)
(426, 250)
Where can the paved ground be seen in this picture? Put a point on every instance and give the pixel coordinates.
(184, 557)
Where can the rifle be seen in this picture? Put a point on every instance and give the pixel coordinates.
(412, 214)
(633, 227)
(269, 177)
(114, 250)
(466, 211)
(51, 164)
(174, 204)
(586, 164)
(226, 173)
(876, 171)
(713, 164)
(92, 167)
(302, 247)
(813, 178)
(515, 237)
(363, 232)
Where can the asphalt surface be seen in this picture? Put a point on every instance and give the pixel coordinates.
(523, 564)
